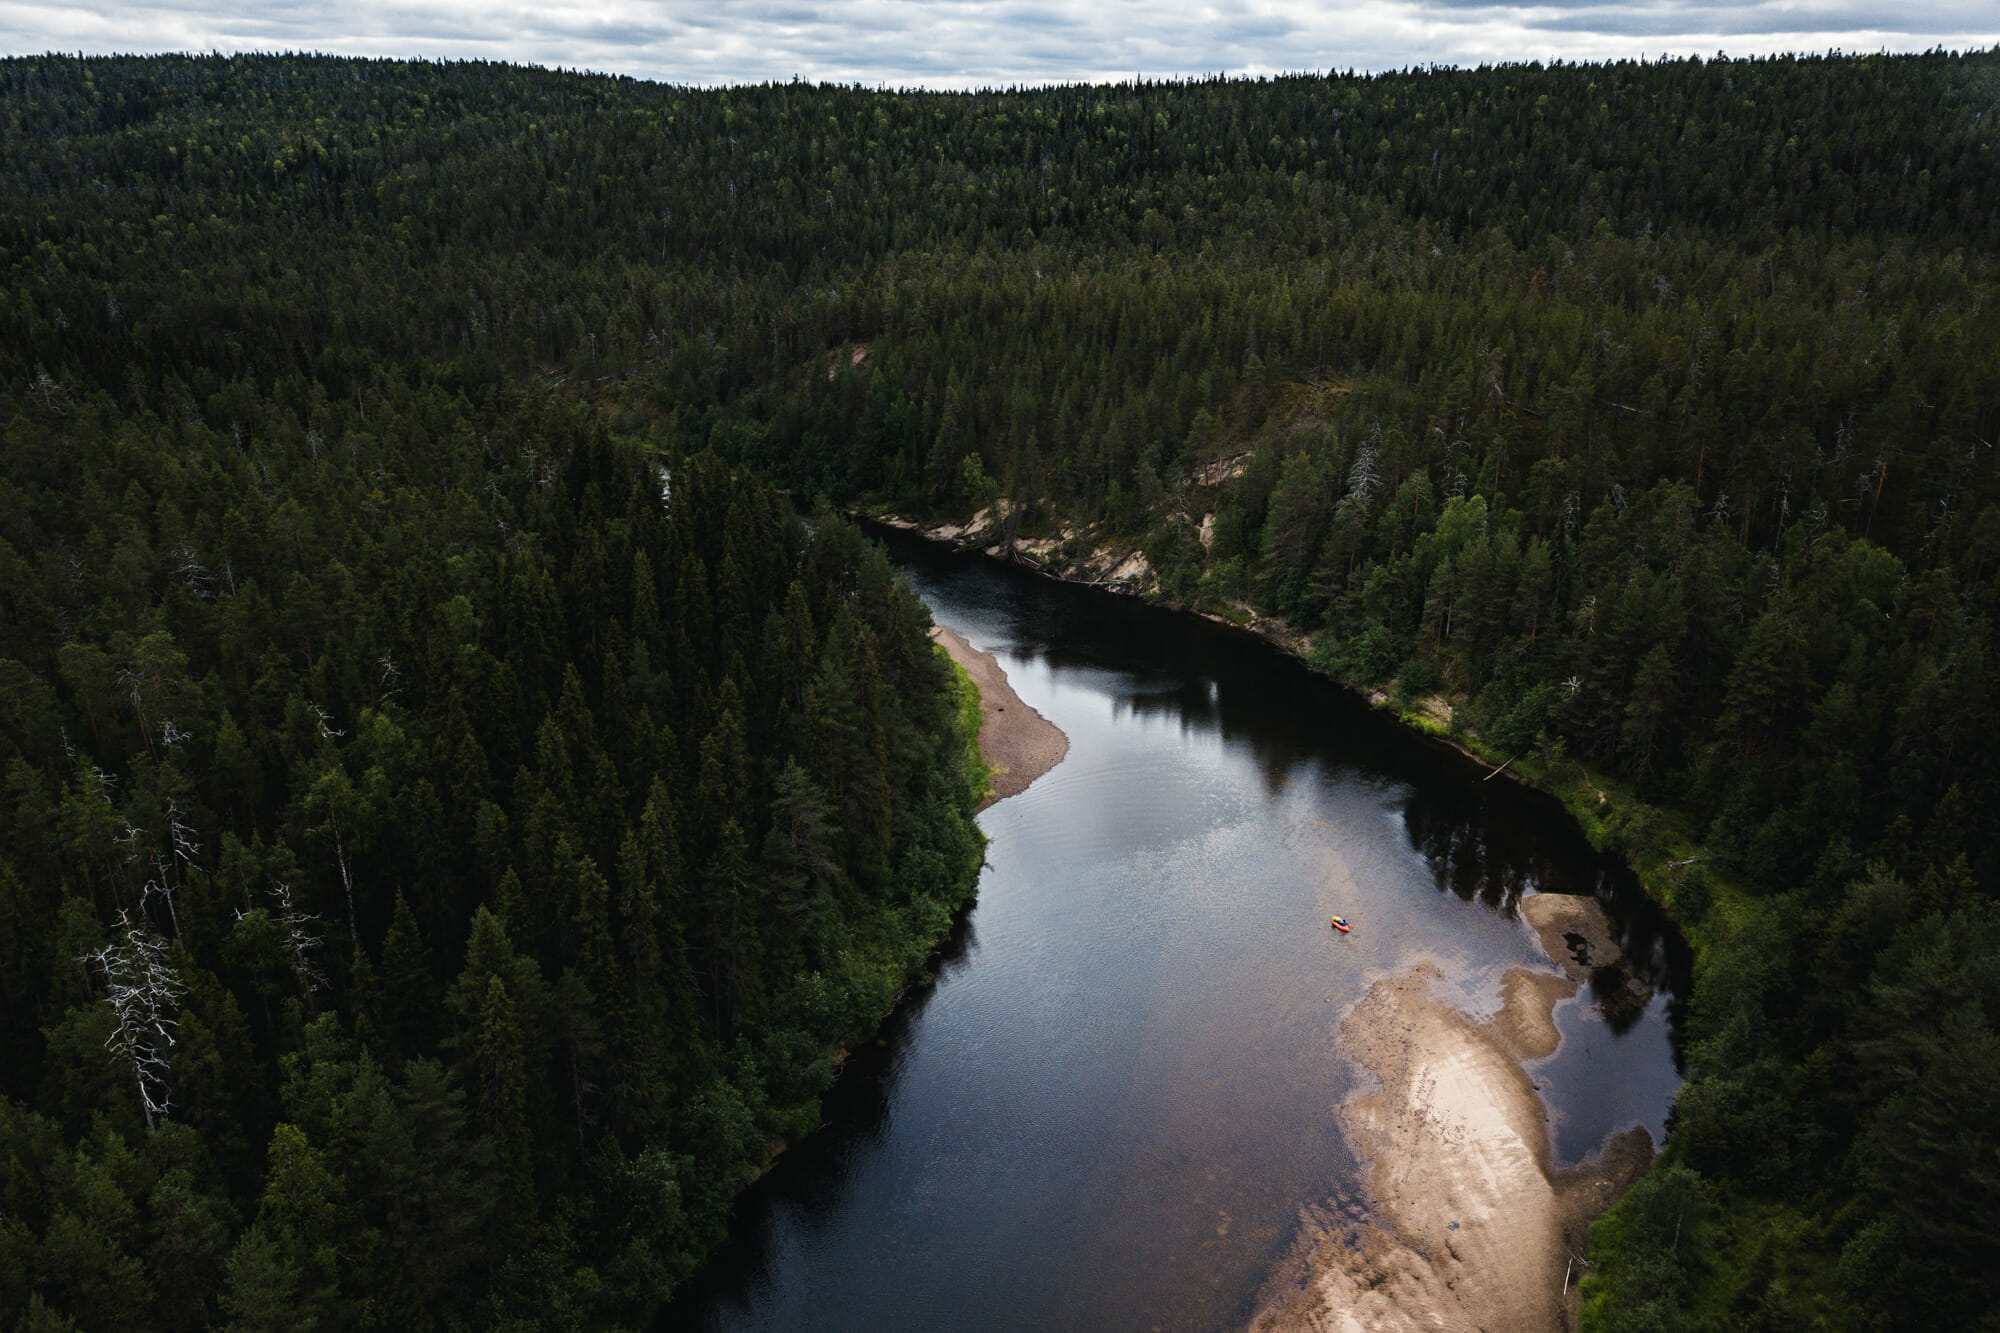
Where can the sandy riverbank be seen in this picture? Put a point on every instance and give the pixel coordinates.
(1018, 743)
(1468, 1224)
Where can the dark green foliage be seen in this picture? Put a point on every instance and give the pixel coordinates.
(529, 816)
(621, 1036)
(552, 804)
(1657, 1239)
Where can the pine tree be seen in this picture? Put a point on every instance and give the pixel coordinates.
(408, 990)
(497, 1068)
(730, 938)
(303, 1212)
(265, 1286)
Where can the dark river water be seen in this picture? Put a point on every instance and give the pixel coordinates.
(1108, 1111)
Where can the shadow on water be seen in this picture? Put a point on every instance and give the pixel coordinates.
(1496, 846)
(1486, 841)
(1109, 1106)
(806, 1177)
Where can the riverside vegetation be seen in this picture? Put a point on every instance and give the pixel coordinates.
(369, 715)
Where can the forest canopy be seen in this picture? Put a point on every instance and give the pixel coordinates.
(414, 693)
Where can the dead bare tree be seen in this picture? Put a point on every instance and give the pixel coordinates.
(327, 731)
(182, 837)
(191, 572)
(166, 875)
(334, 800)
(1362, 478)
(52, 396)
(160, 884)
(142, 988)
(390, 679)
(299, 942)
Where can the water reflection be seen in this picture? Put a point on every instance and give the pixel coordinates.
(1110, 1107)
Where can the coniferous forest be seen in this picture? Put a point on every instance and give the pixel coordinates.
(457, 812)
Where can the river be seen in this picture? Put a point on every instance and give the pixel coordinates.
(1109, 1110)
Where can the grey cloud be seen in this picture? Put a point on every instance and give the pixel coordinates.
(981, 43)
(1697, 15)
(1677, 19)
(1034, 21)
(787, 15)
(1620, 23)
(1252, 32)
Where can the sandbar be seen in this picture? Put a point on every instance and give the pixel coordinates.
(1016, 742)
(1465, 1222)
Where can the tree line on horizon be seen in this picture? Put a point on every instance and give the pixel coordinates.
(1643, 410)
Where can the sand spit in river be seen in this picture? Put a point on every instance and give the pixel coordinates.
(1018, 743)
(1469, 1225)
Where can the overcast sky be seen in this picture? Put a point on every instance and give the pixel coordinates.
(988, 43)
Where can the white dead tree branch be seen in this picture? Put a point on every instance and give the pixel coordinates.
(334, 797)
(346, 875)
(160, 884)
(53, 397)
(133, 680)
(166, 877)
(391, 679)
(327, 731)
(1362, 479)
(191, 572)
(299, 942)
(182, 835)
(142, 989)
